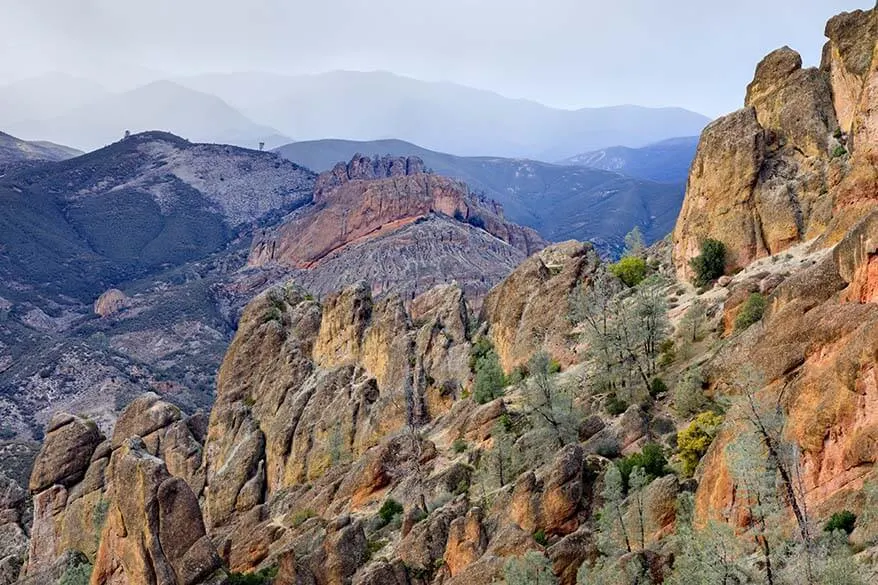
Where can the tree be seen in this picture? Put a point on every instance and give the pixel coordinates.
(631, 270)
(532, 568)
(634, 244)
(489, 380)
(622, 333)
(612, 537)
(692, 323)
(688, 395)
(549, 405)
(709, 555)
(499, 465)
(710, 264)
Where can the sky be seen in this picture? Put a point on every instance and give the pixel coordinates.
(565, 53)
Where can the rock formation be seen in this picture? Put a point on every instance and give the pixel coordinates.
(793, 164)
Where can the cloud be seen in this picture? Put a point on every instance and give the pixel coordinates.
(568, 53)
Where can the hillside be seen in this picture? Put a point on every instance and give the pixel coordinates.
(441, 116)
(560, 202)
(14, 150)
(667, 161)
(161, 105)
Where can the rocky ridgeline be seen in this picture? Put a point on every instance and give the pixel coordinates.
(313, 428)
(369, 204)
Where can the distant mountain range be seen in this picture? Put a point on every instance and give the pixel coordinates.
(665, 161)
(248, 108)
(560, 202)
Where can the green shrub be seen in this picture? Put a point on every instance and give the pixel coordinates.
(540, 538)
(459, 445)
(77, 573)
(839, 151)
(631, 270)
(693, 441)
(844, 520)
(751, 312)
(389, 509)
(710, 264)
(657, 387)
(554, 366)
(615, 405)
(261, 577)
(301, 516)
(481, 348)
(489, 380)
(651, 459)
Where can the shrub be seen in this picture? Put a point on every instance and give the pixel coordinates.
(631, 270)
(261, 577)
(839, 151)
(458, 216)
(843, 520)
(693, 441)
(688, 396)
(657, 386)
(300, 517)
(532, 568)
(554, 366)
(710, 264)
(77, 573)
(651, 459)
(615, 405)
(476, 222)
(389, 509)
(489, 380)
(459, 445)
(540, 538)
(751, 312)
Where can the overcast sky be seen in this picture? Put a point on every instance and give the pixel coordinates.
(699, 54)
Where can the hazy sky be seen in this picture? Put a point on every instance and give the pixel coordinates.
(698, 54)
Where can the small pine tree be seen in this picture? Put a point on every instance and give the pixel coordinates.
(711, 263)
(532, 568)
(634, 243)
(489, 380)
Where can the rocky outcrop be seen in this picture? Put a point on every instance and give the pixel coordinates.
(110, 303)
(364, 204)
(794, 164)
(154, 532)
(528, 310)
(116, 503)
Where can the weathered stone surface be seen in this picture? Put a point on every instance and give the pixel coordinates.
(154, 532)
(528, 310)
(66, 452)
(467, 541)
(144, 416)
(110, 303)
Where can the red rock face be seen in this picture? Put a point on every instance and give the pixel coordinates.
(368, 198)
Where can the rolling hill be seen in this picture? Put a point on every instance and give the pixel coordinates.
(14, 150)
(667, 161)
(560, 202)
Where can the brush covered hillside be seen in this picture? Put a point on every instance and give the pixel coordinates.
(667, 161)
(702, 411)
(559, 202)
(15, 150)
(126, 269)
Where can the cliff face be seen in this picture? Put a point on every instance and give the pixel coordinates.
(369, 204)
(794, 164)
(798, 164)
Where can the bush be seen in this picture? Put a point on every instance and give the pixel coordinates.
(554, 366)
(839, 151)
(490, 379)
(651, 459)
(631, 270)
(688, 396)
(261, 577)
(532, 568)
(751, 312)
(693, 441)
(540, 538)
(389, 509)
(77, 573)
(300, 517)
(476, 222)
(459, 445)
(844, 520)
(657, 386)
(615, 405)
(710, 264)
